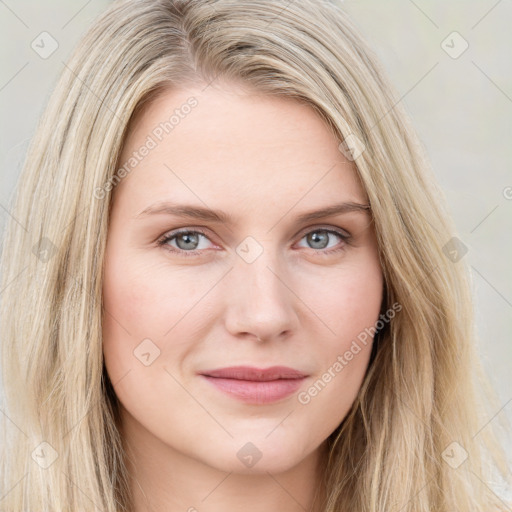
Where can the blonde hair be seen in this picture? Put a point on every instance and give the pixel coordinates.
(424, 393)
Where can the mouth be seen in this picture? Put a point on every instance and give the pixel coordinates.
(256, 385)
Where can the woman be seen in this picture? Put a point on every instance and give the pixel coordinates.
(313, 350)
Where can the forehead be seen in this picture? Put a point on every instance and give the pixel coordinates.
(233, 143)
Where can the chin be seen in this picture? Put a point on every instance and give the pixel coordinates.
(259, 456)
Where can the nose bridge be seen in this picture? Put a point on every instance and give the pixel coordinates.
(257, 267)
(262, 303)
(261, 275)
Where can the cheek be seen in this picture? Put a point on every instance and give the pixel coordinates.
(346, 301)
(147, 309)
(359, 303)
(139, 309)
(140, 302)
(134, 310)
(348, 309)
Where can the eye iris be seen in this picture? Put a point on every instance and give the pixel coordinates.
(323, 239)
(189, 237)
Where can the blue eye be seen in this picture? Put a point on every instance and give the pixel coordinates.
(320, 239)
(185, 237)
(189, 239)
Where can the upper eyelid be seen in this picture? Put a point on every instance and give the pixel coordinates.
(327, 227)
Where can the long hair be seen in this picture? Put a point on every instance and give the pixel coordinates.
(415, 439)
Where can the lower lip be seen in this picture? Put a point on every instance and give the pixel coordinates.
(256, 392)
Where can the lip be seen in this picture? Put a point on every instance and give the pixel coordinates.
(256, 385)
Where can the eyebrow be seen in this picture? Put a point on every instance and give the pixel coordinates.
(219, 216)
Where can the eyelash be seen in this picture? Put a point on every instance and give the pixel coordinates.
(171, 236)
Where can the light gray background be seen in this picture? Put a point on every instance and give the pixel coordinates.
(461, 107)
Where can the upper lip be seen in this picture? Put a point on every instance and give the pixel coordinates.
(255, 374)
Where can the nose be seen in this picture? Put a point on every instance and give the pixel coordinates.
(260, 303)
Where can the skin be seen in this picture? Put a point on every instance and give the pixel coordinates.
(264, 160)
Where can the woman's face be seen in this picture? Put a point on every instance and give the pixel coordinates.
(257, 287)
